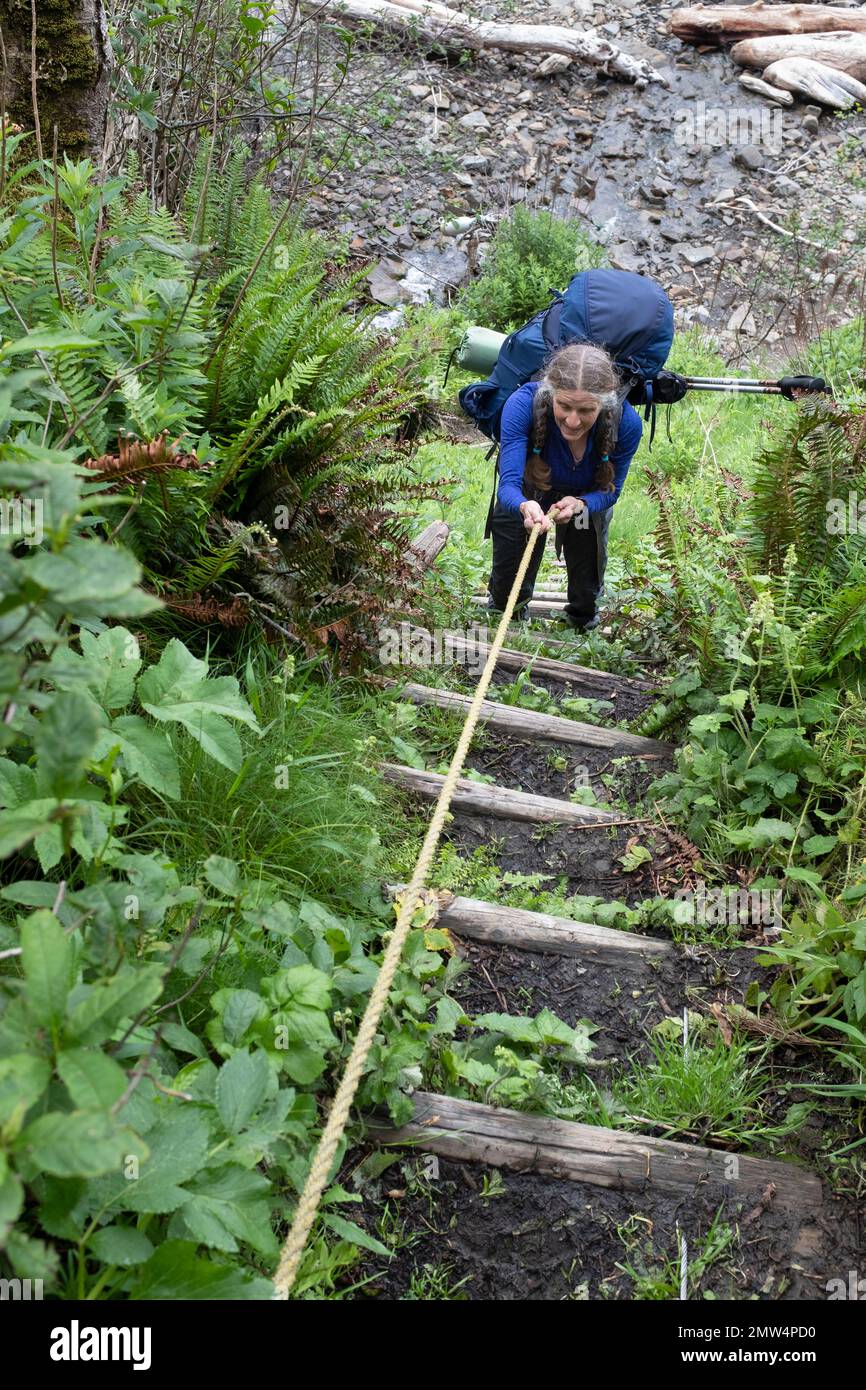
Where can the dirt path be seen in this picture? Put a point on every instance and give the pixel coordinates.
(504, 1204)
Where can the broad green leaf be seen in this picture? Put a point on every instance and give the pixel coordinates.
(47, 956)
(11, 1203)
(449, 1016)
(240, 1008)
(90, 580)
(303, 1064)
(183, 1040)
(77, 1143)
(65, 742)
(708, 723)
(230, 1206)
(113, 661)
(634, 857)
(175, 1272)
(222, 874)
(31, 1258)
(23, 1078)
(21, 825)
(347, 1230)
(301, 985)
(178, 1145)
(120, 1245)
(799, 874)
(762, 835)
(820, 844)
(109, 1002)
(241, 1087)
(147, 753)
(94, 1080)
(60, 341)
(178, 688)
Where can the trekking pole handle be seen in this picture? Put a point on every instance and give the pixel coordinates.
(789, 384)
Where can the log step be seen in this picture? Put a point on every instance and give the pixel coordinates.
(487, 799)
(465, 1129)
(543, 932)
(531, 724)
(536, 608)
(587, 677)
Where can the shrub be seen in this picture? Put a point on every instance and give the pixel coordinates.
(530, 254)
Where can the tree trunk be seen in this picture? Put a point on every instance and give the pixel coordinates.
(726, 23)
(73, 60)
(845, 51)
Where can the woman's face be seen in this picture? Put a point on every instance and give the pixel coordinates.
(575, 412)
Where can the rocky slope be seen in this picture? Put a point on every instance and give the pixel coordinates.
(680, 182)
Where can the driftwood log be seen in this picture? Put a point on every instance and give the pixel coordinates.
(843, 50)
(818, 82)
(423, 551)
(488, 799)
(529, 723)
(541, 931)
(764, 89)
(465, 1129)
(436, 25)
(728, 23)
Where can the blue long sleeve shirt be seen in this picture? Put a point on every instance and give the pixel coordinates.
(568, 476)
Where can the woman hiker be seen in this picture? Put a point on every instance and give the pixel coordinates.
(559, 444)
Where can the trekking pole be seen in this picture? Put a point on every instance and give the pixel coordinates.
(784, 386)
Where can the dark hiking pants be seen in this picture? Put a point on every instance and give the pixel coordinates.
(584, 548)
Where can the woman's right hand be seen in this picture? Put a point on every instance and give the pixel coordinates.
(532, 513)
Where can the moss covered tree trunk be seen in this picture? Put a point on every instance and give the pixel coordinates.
(71, 71)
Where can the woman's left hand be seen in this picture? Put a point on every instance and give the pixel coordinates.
(569, 507)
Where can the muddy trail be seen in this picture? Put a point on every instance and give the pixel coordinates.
(579, 1193)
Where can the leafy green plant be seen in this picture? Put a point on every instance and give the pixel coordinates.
(531, 252)
(712, 1090)
(657, 1276)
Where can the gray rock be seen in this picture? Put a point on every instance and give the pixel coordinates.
(698, 255)
(474, 120)
(742, 320)
(788, 187)
(693, 255)
(476, 163)
(749, 157)
(384, 289)
(623, 257)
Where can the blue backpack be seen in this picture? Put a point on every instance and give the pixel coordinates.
(627, 314)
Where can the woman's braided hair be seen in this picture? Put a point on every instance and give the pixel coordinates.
(581, 367)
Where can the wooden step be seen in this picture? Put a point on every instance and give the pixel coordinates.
(465, 1129)
(541, 931)
(536, 608)
(598, 683)
(527, 723)
(487, 799)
